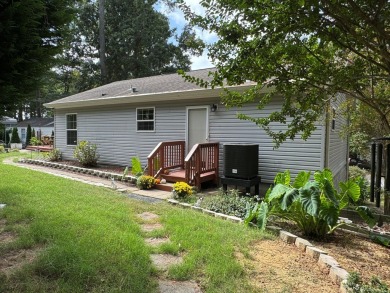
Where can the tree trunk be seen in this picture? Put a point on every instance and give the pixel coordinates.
(386, 205)
(102, 43)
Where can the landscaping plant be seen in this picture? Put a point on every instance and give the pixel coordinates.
(181, 190)
(356, 285)
(358, 175)
(314, 205)
(146, 182)
(86, 153)
(35, 141)
(15, 136)
(54, 155)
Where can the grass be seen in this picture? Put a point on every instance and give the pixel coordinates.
(88, 238)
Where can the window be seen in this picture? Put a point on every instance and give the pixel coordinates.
(145, 119)
(333, 118)
(24, 134)
(71, 129)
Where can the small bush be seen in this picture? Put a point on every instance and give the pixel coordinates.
(181, 190)
(230, 203)
(35, 141)
(356, 285)
(86, 153)
(146, 182)
(359, 176)
(54, 155)
(2, 149)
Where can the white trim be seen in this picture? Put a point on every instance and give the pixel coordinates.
(154, 119)
(66, 129)
(207, 107)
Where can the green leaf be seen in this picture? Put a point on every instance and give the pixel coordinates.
(302, 178)
(380, 240)
(330, 214)
(250, 213)
(283, 178)
(329, 192)
(366, 214)
(262, 215)
(278, 191)
(351, 189)
(310, 198)
(289, 197)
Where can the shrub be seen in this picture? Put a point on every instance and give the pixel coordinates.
(28, 134)
(86, 153)
(356, 285)
(314, 205)
(230, 203)
(2, 149)
(35, 141)
(54, 155)
(181, 190)
(15, 136)
(146, 182)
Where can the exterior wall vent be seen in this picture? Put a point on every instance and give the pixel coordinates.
(241, 160)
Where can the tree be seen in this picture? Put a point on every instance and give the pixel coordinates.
(32, 33)
(136, 41)
(308, 51)
(15, 136)
(28, 134)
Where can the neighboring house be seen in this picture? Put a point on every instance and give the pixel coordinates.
(42, 126)
(8, 123)
(129, 118)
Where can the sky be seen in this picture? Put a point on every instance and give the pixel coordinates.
(177, 20)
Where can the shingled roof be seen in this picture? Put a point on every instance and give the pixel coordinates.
(37, 122)
(153, 88)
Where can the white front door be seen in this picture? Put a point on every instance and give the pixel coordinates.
(197, 126)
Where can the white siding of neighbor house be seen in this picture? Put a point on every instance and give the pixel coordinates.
(338, 146)
(113, 129)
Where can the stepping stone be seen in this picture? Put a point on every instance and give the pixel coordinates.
(156, 241)
(151, 227)
(146, 216)
(167, 286)
(164, 261)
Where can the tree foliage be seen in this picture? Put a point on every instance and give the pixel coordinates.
(32, 33)
(138, 41)
(307, 51)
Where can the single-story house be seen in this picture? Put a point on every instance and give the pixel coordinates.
(130, 118)
(42, 126)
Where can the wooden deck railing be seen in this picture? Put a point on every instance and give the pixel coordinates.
(166, 155)
(202, 159)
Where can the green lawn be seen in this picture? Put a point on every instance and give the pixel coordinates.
(88, 239)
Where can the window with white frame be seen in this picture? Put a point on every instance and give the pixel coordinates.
(333, 119)
(71, 129)
(145, 119)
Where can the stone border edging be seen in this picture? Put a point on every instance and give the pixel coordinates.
(76, 169)
(328, 265)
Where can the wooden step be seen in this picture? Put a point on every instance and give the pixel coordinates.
(175, 176)
(165, 187)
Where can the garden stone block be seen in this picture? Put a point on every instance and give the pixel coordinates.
(302, 244)
(274, 228)
(326, 262)
(220, 215)
(234, 219)
(314, 252)
(337, 275)
(287, 237)
(173, 201)
(209, 212)
(196, 208)
(185, 205)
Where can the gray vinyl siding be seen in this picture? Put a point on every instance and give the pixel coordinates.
(114, 131)
(338, 146)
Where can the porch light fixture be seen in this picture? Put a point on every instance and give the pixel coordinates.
(214, 108)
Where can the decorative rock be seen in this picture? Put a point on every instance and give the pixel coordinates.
(2, 205)
(208, 212)
(302, 243)
(163, 181)
(234, 219)
(185, 205)
(337, 275)
(287, 237)
(173, 201)
(326, 262)
(314, 252)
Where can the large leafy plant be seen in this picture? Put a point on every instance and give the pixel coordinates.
(314, 205)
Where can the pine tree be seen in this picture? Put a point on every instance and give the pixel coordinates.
(15, 136)
(28, 134)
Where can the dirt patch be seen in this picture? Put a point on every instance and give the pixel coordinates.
(7, 237)
(358, 254)
(164, 261)
(100, 167)
(275, 266)
(14, 260)
(151, 227)
(168, 286)
(146, 216)
(156, 241)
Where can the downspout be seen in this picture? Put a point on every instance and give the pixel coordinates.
(327, 138)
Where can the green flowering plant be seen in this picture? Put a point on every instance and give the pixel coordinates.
(146, 182)
(181, 189)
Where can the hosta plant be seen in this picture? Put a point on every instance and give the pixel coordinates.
(314, 205)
